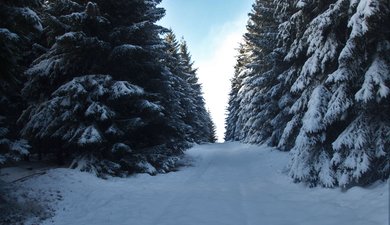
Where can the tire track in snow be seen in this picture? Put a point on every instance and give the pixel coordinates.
(229, 184)
(208, 172)
(171, 206)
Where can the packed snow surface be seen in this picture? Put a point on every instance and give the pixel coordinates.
(227, 184)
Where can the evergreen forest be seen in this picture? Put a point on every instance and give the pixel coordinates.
(97, 85)
(313, 78)
(101, 87)
(106, 112)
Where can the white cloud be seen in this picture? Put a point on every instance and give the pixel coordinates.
(216, 70)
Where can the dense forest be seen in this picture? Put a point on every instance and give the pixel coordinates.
(313, 77)
(96, 98)
(97, 85)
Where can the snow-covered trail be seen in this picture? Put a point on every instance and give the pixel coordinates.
(229, 184)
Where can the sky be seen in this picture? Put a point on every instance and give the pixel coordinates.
(212, 29)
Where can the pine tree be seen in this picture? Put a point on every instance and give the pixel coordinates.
(100, 95)
(203, 126)
(72, 54)
(181, 109)
(134, 30)
(261, 35)
(327, 95)
(232, 126)
(362, 148)
(192, 116)
(257, 94)
(78, 43)
(20, 28)
(340, 142)
(188, 66)
(212, 136)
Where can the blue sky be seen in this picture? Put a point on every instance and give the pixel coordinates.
(212, 29)
(197, 20)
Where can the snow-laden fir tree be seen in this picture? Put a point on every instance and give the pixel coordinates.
(193, 117)
(20, 27)
(100, 95)
(72, 54)
(332, 92)
(212, 130)
(183, 106)
(342, 84)
(137, 58)
(255, 102)
(232, 127)
(203, 126)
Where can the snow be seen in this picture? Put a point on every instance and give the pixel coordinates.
(145, 104)
(90, 136)
(44, 67)
(227, 184)
(113, 130)
(33, 17)
(149, 168)
(338, 104)
(125, 48)
(5, 33)
(3, 159)
(120, 147)
(20, 146)
(354, 136)
(301, 4)
(313, 119)
(23, 170)
(124, 88)
(100, 111)
(360, 20)
(376, 75)
(288, 130)
(70, 35)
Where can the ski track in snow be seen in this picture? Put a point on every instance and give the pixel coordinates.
(229, 184)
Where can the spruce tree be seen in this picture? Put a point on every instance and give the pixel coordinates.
(203, 126)
(53, 126)
(342, 139)
(20, 28)
(212, 136)
(101, 95)
(256, 98)
(329, 92)
(183, 106)
(190, 108)
(232, 126)
(261, 35)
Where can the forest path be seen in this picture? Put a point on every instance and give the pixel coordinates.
(228, 184)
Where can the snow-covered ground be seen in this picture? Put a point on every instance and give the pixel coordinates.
(228, 184)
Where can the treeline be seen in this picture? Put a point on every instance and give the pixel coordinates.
(313, 77)
(97, 84)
